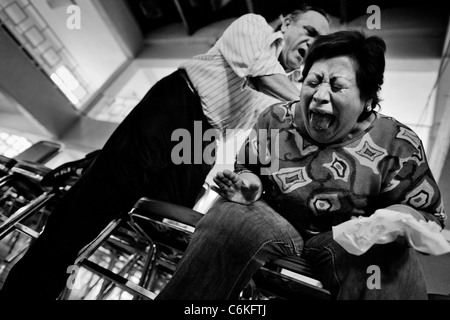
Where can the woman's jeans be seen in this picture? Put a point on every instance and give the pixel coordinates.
(233, 241)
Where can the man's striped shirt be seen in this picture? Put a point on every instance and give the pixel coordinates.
(249, 47)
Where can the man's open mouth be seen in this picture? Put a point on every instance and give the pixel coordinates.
(302, 52)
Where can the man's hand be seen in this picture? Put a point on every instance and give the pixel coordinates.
(245, 188)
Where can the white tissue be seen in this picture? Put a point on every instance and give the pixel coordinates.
(384, 226)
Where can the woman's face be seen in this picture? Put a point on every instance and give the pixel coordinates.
(330, 101)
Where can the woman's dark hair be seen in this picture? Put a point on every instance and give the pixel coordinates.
(368, 52)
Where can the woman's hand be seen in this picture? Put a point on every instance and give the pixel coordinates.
(245, 188)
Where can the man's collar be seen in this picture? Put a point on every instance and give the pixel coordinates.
(295, 75)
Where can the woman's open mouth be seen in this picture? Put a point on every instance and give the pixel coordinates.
(320, 121)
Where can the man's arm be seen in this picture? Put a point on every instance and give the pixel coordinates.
(248, 46)
(277, 86)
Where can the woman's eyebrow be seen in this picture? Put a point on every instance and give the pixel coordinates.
(315, 73)
(336, 77)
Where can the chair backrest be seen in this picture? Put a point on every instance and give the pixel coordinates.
(40, 152)
(69, 171)
(164, 223)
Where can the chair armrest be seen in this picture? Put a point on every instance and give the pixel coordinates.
(6, 164)
(155, 209)
(32, 170)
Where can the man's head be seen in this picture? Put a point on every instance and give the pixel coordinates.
(300, 28)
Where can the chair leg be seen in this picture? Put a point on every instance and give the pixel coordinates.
(112, 279)
(87, 251)
(119, 281)
(108, 286)
(149, 265)
(13, 254)
(151, 260)
(24, 212)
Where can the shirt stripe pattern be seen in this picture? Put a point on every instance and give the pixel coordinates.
(248, 48)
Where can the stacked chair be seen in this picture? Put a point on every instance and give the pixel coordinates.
(20, 188)
(22, 198)
(137, 253)
(28, 193)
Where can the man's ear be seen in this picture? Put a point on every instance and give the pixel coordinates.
(285, 22)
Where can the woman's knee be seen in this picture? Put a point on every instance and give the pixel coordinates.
(228, 218)
(256, 224)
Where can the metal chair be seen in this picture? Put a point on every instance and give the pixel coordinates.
(21, 195)
(20, 185)
(167, 229)
(34, 190)
(131, 231)
(288, 278)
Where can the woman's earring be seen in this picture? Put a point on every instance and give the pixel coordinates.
(368, 108)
